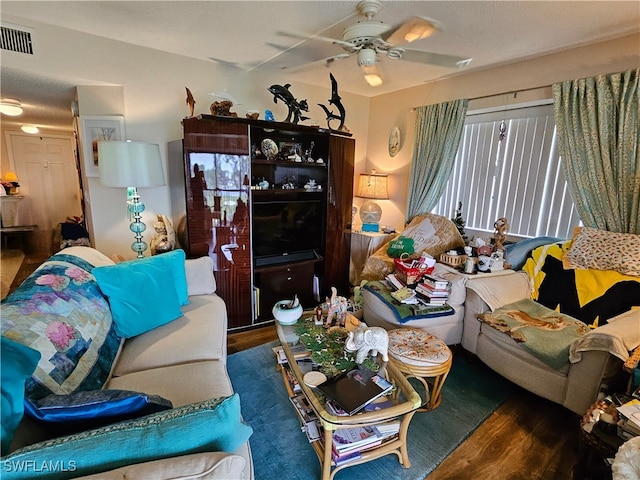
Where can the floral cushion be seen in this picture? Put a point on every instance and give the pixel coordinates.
(60, 312)
(415, 346)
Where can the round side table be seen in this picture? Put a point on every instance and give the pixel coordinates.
(420, 355)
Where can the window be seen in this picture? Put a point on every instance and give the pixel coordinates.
(519, 178)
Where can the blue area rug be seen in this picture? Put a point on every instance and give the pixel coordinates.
(281, 450)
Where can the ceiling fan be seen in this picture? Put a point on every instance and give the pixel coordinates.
(369, 37)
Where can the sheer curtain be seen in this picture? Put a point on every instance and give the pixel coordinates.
(598, 132)
(437, 135)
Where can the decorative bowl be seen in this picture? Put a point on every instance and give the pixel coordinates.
(285, 315)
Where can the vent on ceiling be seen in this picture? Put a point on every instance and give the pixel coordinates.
(15, 39)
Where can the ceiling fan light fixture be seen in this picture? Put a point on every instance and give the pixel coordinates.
(372, 76)
(10, 107)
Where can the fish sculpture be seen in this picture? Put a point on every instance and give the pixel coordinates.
(282, 93)
(190, 102)
(334, 100)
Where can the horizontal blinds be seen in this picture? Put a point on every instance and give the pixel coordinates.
(519, 178)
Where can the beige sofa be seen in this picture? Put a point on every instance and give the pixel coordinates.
(594, 359)
(183, 361)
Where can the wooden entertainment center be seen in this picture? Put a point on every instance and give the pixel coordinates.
(270, 203)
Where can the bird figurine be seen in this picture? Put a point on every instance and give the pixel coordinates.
(190, 101)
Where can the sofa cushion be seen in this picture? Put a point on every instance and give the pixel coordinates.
(199, 335)
(200, 279)
(84, 410)
(199, 466)
(212, 425)
(60, 311)
(181, 384)
(143, 293)
(18, 363)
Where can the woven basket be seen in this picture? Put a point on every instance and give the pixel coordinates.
(453, 260)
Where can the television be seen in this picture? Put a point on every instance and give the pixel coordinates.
(285, 231)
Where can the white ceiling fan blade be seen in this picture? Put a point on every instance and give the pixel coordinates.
(416, 28)
(326, 61)
(305, 36)
(430, 58)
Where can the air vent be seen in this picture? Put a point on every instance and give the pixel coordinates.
(15, 39)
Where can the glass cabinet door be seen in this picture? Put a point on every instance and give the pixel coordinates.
(219, 226)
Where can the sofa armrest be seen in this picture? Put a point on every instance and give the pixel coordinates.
(618, 337)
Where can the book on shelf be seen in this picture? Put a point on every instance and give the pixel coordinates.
(310, 424)
(346, 458)
(347, 440)
(388, 429)
(355, 389)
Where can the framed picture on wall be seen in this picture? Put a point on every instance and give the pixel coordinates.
(107, 128)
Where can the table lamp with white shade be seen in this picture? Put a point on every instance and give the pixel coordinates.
(131, 165)
(374, 186)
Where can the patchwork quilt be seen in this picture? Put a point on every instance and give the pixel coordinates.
(60, 311)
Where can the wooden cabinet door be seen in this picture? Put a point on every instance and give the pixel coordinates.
(339, 204)
(217, 172)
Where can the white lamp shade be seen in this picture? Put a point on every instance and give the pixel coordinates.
(373, 185)
(130, 164)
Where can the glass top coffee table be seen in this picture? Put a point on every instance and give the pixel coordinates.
(404, 402)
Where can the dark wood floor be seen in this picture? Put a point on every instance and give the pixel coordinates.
(527, 438)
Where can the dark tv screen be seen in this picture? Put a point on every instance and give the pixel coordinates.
(282, 228)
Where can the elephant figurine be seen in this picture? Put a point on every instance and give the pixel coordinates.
(336, 309)
(368, 339)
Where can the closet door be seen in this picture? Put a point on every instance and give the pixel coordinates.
(46, 170)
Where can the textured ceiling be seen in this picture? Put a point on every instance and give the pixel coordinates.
(248, 35)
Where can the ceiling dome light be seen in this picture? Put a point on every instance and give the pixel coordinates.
(10, 107)
(32, 129)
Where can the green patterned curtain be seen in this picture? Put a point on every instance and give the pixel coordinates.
(437, 135)
(598, 134)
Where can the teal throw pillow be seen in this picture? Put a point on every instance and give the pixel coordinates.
(18, 363)
(142, 294)
(81, 411)
(211, 426)
(175, 262)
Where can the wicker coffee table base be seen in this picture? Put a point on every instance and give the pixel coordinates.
(432, 378)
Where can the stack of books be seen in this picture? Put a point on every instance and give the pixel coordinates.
(433, 290)
(349, 442)
(629, 423)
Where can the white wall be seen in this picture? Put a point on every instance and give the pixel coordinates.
(154, 103)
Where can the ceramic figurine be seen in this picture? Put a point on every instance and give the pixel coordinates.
(368, 339)
(317, 317)
(190, 102)
(268, 116)
(337, 309)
